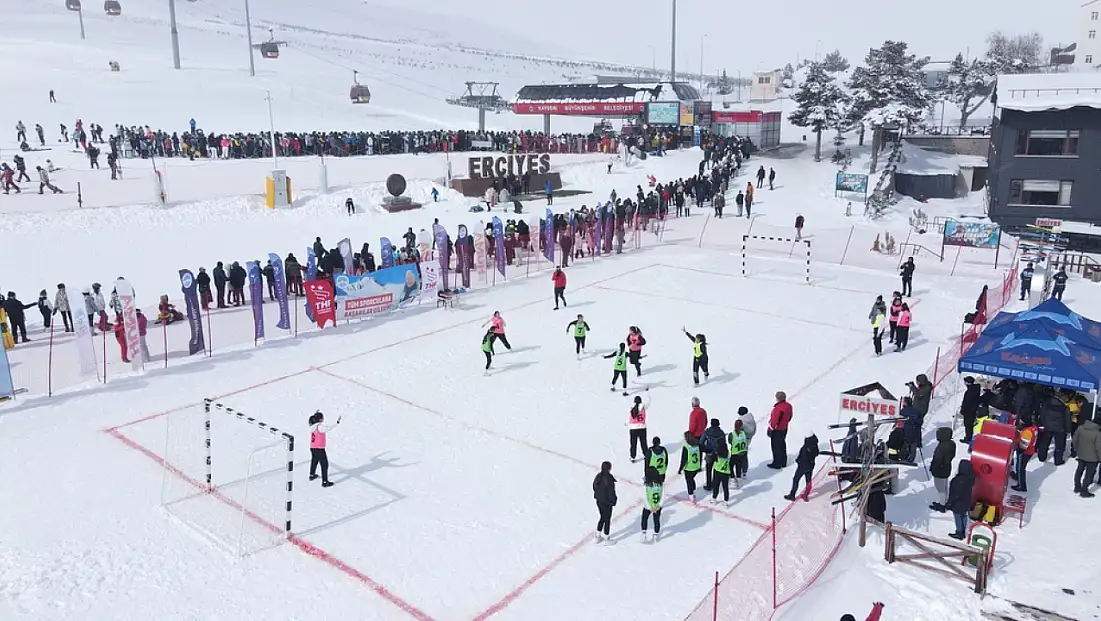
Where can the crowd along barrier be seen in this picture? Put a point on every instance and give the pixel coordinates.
(52, 361)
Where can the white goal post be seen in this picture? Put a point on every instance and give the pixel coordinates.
(791, 242)
(229, 477)
(280, 436)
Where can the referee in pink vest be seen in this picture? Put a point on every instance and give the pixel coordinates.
(318, 433)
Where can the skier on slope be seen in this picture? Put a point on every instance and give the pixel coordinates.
(497, 329)
(699, 356)
(654, 490)
(318, 438)
(636, 424)
(580, 329)
(635, 341)
(620, 366)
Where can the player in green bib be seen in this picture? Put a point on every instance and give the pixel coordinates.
(721, 474)
(620, 366)
(690, 463)
(580, 330)
(739, 451)
(657, 458)
(654, 489)
(487, 349)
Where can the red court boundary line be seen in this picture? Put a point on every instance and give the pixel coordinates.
(515, 594)
(520, 442)
(303, 545)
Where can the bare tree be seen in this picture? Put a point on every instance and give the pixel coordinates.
(1019, 53)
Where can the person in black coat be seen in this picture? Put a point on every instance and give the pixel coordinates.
(1055, 424)
(237, 278)
(318, 248)
(959, 497)
(804, 465)
(940, 467)
(972, 397)
(269, 279)
(220, 280)
(907, 273)
(202, 281)
(604, 493)
(709, 443)
(14, 308)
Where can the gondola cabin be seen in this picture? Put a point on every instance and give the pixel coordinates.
(269, 50)
(360, 94)
(72, 5)
(112, 7)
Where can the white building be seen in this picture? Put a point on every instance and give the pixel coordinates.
(766, 84)
(1088, 55)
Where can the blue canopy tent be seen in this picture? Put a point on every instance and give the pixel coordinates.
(1054, 315)
(1040, 351)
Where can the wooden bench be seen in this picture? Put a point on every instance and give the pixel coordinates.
(1015, 503)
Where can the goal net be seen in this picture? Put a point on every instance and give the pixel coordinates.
(778, 256)
(229, 477)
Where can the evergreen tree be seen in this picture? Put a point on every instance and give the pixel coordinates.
(819, 98)
(725, 84)
(889, 90)
(967, 85)
(834, 62)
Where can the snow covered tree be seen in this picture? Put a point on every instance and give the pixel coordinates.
(834, 62)
(1014, 54)
(788, 72)
(725, 85)
(819, 99)
(967, 84)
(888, 91)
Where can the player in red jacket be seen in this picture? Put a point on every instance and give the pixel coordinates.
(559, 280)
(778, 423)
(697, 419)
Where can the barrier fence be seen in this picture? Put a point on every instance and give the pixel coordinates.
(51, 363)
(783, 562)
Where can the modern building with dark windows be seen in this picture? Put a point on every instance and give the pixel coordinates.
(1045, 149)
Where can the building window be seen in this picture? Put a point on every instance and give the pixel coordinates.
(1093, 16)
(1089, 59)
(1092, 34)
(1040, 193)
(764, 80)
(1047, 143)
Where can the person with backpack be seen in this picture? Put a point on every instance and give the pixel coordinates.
(636, 425)
(690, 463)
(778, 423)
(318, 440)
(619, 367)
(605, 496)
(709, 444)
(1025, 449)
(804, 466)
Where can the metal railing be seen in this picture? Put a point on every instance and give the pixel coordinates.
(967, 131)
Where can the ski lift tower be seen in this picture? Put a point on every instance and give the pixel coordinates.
(481, 96)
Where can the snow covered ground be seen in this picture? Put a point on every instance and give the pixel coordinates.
(457, 496)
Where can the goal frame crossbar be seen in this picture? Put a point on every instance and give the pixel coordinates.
(773, 238)
(209, 408)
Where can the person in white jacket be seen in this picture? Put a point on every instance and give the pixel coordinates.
(100, 305)
(318, 439)
(749, 425)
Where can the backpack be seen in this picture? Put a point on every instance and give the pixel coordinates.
(707, 443)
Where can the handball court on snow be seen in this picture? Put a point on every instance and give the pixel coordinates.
(488, 476)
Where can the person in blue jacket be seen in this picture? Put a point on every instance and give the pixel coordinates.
(548, 187)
